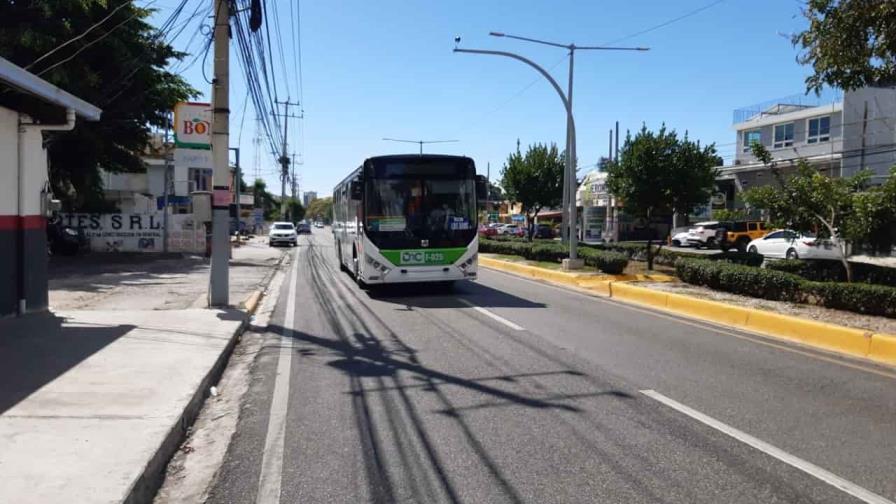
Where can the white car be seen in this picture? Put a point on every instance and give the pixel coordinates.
(283, 232)
(789, 244)
(703, 234)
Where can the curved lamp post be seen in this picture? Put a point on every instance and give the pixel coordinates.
(569, 182)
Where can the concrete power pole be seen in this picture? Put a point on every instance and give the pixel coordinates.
(284, 158)
(218, 280)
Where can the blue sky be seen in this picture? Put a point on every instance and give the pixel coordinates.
(385, 68)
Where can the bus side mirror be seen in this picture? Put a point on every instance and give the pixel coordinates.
(355, 189)
(481, 190)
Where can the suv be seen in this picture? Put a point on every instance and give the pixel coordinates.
(703, 234)
(282, 232)
(741, 233)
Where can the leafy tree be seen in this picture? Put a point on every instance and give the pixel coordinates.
(849, 43)
(495, 193)
(265, 200)
(841, 208)
(321, 209)
(534, 180)
(725, 214)
(658, 174)
(294, 211)
(118, 66)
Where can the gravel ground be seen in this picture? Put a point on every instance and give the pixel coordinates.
(844, 318)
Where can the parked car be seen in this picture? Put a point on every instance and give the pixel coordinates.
(303, 228)
(703, 234)
(544, 231)
(318, 224)
(741, 233)
(283, 232)
(790, 244)
(487, 231)
(678, 237)
(511, 229)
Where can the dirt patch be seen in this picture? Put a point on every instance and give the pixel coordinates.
(818, 313)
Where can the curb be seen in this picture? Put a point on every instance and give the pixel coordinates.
(147, 484)
(877, 347)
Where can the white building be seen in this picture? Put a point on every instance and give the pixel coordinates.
(29, 106)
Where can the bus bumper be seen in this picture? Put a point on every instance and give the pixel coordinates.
(447, 273)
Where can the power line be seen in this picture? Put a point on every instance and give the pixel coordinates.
(91, 43)
(282, 58)
(78, 37)
(665, 23)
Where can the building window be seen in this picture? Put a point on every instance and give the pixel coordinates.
(819, 130)
(751, 137)
(783, 135)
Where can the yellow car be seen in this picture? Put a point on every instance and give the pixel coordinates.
(741, 233)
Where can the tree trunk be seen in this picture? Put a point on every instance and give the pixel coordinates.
(650, 254)
(846, 265)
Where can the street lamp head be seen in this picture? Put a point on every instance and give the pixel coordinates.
(496, 34)
(457, 40)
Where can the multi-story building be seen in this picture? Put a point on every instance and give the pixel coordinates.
(308, 197)
(839, 137)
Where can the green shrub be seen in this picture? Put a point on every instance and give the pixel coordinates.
(550, 252)
(733, 256)
(778, 285)
(609, 262)
(856, 297)
(504, 247)
(741, 279)
(833, 271)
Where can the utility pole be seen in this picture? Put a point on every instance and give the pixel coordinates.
(218, 280)
(168, 153)
(238, 179)
(284, 158)
(295, 183)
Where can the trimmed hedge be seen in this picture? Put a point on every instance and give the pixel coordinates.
(741, 279)
(783, 286)
(667, 257)
(856, 297)
(833, 271)
(609, 262)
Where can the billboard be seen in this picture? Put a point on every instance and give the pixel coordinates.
(193, 125)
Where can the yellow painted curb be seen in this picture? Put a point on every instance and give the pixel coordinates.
(883, 348)
(845, 340)
(251, 303)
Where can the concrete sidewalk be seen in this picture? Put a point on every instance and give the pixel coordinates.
(93, 403)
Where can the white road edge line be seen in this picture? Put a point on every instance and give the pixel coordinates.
(493, 315)
(826, 476)
(271, 476)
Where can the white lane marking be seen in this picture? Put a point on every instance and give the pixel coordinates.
(270, 480)
(803, 465)
(492, 315)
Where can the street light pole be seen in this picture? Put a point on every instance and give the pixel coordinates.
(569, 209)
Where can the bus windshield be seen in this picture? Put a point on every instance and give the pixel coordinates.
(411, 211)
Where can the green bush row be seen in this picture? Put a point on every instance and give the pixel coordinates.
(784, 286)
(664, 256)
(609, 262)
(833, 271)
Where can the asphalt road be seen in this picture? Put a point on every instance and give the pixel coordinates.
(507, 390)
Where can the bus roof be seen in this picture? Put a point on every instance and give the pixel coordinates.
(402, 157)
(411, 157)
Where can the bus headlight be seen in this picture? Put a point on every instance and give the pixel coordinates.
(469, 262)
(376, 264)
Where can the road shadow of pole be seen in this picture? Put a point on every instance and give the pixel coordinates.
(361, 355)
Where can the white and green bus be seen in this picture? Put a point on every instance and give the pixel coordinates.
(409, 218)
